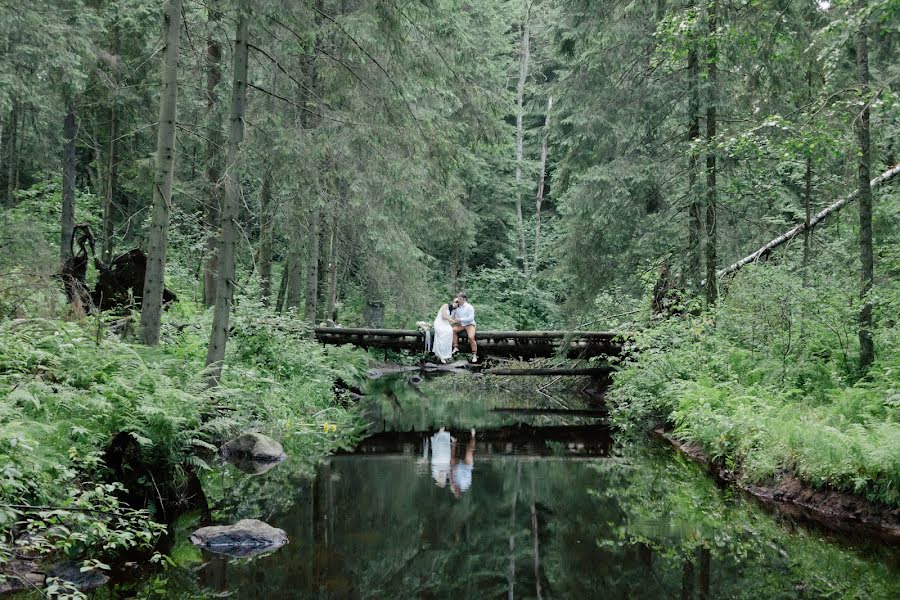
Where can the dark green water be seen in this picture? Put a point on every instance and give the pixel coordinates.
(551, 508)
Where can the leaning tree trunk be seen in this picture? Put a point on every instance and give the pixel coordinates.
(867, 272)
(796, 230)
(520, 135)
(695, 226)
(264, 253)
(70, 132)
(711, 196)
(539, 198)
(213, 151)
(154, 278)
(230, 207)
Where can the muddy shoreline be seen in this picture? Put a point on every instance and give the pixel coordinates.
(835, 511)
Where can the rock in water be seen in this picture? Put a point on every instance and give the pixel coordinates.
(253, 446)
(247, 537)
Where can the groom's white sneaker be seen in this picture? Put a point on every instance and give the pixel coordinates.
(474, 359)
(455, 351)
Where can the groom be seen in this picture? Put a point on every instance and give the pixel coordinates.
(464, 315)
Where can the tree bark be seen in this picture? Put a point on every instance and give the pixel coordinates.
(711, 195)
(330, 280)
(213, 151)
(866, 256)
(296, 278)
(70, 132)
(539, 198)
(695, 226)
(4, 152)
(154, 278)
(312, 268)
(112, 165)
(807, 196)
(282, 288)
(703, 562)
(12, 156)
(231, 206)
(520, 132)
(264, 254)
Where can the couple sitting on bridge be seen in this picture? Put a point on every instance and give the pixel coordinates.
(452, 318)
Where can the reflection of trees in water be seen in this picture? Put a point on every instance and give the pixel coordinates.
(639, 525)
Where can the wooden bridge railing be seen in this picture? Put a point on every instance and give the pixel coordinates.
(524, 344)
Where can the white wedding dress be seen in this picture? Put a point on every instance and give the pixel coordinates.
(443, 334)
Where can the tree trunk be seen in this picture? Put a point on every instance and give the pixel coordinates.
(231, 204)
(703, 563)
(695, 226)
(264, 254)
(520, 133)
(12, 156)
(867, 272)
(330, 278)
(296, 279)
(807, 196)
(213, 151)
(70, 132)
(539, 199)
(154, 278)
(4, 152)
(112, 169)
(312, 268)
(282, 288)
(711, 197)
(687, 580)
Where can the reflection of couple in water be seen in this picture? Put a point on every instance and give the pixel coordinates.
(446, 466)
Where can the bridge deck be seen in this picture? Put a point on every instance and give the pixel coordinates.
(524, 344)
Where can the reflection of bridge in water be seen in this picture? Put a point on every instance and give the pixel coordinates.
(515, 441)
(515, 344)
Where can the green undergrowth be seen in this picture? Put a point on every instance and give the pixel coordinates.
(769, 384)
(67, 388)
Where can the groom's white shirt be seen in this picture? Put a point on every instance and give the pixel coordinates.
(465, 313)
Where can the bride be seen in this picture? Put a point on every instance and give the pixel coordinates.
(443, 331)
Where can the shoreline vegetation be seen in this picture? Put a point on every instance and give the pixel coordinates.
(103, 440)
(767, 387)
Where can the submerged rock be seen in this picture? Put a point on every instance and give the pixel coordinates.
(247, 537)
(253, 446)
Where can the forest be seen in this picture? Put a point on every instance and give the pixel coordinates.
(189, 187)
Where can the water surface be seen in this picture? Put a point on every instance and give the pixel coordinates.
(544, 507)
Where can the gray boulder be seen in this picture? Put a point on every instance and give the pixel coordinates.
(71, 571)
(247, 537)
(253, 446)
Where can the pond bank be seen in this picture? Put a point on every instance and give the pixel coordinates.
(837, 511)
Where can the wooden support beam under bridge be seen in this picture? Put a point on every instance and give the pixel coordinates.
(515, 344)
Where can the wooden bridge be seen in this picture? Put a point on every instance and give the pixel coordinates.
(516, 344)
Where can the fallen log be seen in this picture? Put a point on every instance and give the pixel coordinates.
(798, 229)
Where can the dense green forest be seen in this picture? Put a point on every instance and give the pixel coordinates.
(715, 179)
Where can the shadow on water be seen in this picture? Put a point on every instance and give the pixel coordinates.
(539, 506)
